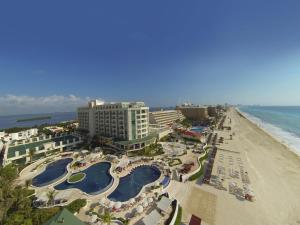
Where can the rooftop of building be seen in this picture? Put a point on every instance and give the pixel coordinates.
(113, 105)
(165, 111)
(191, 106)
(64, 217)
(22, 147)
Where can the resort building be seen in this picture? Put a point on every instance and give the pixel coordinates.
(194, 112)
(23, 151)
(193, 136)
(165, 117)
(64, 217)
(22, 135)
(55, 129)
(126, 123)
(212, 111)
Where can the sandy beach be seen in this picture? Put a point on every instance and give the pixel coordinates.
(274, 176)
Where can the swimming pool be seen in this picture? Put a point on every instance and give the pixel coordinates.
(130, 185)
(198, 129)
(53, 172)
(97, 180)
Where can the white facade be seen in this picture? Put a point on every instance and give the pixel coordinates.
(124, 120)
(43, 144)
(165, 117)
(22, 135)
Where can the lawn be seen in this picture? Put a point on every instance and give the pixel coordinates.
(150, 151)
(175, 162)
(179, 216)
(74, 178)
(199, 174)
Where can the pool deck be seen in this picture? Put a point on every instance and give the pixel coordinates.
(93, 200)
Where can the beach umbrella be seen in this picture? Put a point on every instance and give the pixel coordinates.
(150, 199)
(143, 195)
(118, 205)
(145, 204)
(140, 209)
(131, 201)
(111, 204)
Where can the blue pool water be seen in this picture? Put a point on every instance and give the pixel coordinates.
(97, 180)
(54, 171)
(198, 129)
(131, 184)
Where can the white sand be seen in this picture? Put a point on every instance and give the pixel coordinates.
(274, 173)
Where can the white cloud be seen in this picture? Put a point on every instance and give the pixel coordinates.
(22, 104)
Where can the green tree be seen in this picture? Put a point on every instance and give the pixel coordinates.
(107, 217)
(76, 205)
(51, 195)
(28, 183)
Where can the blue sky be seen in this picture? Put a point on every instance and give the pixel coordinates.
(55, 55)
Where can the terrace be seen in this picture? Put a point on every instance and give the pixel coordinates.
(33, 145)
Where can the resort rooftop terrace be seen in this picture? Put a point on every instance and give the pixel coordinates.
(32, 145)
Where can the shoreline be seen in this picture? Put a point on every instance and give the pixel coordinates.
(273, 170)
(274, 136)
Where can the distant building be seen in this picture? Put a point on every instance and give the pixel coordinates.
(194, 112)
(55, 129)
(127, 123)
(165, 117)
(64, 217)
(22, 135)
(160, 130)
(212, 111)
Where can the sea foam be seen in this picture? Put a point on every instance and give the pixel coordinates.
(287, 138)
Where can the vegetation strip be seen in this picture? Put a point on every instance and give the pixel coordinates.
(179, 215)
(16, 203)
(200, 172)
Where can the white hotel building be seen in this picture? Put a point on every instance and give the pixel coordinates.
(126, 122)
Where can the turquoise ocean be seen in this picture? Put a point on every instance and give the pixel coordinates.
(282, 122)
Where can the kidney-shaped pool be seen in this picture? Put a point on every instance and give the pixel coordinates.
(53, 172)
(131, 184)
(96, 181)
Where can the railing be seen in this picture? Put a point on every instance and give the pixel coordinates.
(175, 214)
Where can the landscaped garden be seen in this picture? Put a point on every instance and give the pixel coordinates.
(74, 178)
(174, 162)
(151, 150)
(179, 216)
(16, 202)
(200, 172)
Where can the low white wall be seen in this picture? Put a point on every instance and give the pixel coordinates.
(187, 176)
(175, 214)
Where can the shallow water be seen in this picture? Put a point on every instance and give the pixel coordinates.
(282, 122)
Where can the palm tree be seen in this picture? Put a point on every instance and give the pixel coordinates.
(31, 153)
(51, 194)
(107, 217)
(28, 183)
